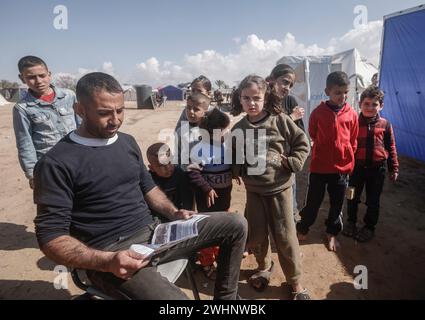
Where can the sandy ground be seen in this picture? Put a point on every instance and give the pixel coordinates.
(395, 259)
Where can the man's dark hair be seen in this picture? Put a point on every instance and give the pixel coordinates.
(30, 61)
(372, 92)
(96, 81)
(337, 78)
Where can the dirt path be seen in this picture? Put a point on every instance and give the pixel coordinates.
(395, 259)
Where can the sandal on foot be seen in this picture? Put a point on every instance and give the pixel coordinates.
(260, 280)
(350, 230)
(364, 235)
(302, 295)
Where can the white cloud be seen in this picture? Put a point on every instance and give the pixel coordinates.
(237, 40)
(153, 72)
(366, 38)
(108, 68)
(83, 71)
(255, 55)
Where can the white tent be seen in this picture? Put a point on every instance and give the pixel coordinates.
(311, 73)
(129, 92)
(3, 101)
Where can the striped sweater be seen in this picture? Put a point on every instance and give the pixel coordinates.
(376, 143)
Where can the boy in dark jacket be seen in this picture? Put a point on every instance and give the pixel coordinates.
(376, 146)
(333, 128)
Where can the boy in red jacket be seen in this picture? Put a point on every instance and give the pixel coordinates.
(333, 128)
(376, 146)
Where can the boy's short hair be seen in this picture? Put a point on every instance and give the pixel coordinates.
(30, 61)
(215, 119)
(280, 70)
(372, 92)
(156, 150)
(96, 81)
(199, 98)
(337, 78)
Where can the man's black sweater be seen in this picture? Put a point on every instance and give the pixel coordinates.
(95, 194)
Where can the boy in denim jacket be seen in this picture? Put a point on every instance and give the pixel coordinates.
(43, 117)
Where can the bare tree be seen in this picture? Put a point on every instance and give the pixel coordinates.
(65, 80)
(5, 84)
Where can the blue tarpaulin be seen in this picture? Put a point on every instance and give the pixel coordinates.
(402, 77)
(172, 93)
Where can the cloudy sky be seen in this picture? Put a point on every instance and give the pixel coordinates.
(168, 42)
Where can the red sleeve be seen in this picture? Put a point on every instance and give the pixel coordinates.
(392, 161)
(354, 132)
(312, 127)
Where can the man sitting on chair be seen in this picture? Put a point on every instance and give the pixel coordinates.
(93, 195)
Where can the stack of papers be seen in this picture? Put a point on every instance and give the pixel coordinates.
(168, 234)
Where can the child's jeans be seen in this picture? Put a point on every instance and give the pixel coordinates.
(373, 179)
(336, 185)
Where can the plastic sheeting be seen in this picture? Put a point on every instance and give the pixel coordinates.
(172, 93)
(311, 73)
(402, 78)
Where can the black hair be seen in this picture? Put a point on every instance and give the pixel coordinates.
(337, 78)
(96, 81)
(272, 100)
(30, 61)
(280, 70)
(155, 151)
(205, 82)
(214, 119)
(372, 92)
